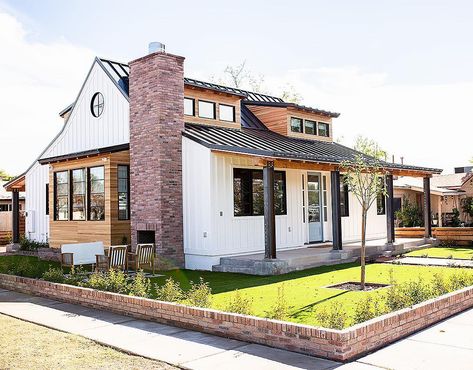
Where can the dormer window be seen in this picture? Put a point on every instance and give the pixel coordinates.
(324, 129)
(206, 109)
(189, 107)
(226, 113)
(310, 127)
(296, 125)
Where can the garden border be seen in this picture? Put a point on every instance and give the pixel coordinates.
(339, 345)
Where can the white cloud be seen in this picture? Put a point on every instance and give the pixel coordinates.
(426, 124)
(37, 81)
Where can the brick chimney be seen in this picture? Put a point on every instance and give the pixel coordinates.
(156, 123)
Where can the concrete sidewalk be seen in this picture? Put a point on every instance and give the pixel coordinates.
(176, 346)
(432, 261)
(447, 345)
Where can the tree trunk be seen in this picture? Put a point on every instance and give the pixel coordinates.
(363, 247)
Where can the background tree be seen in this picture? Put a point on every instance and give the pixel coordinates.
(364, 177)
(5, 176)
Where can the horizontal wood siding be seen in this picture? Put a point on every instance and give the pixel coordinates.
(460, 235)
(110, 231)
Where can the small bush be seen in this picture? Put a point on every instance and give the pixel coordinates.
(54, 274)
(170, 292)
(367, 308)
(425, 255)
(280, 309)
(240, 304)
(111, 281)
(450, 256)
(460, 280)
(333, 317)
(416, 292)
(31, 245)
(76, 276)
(200, 294)
(140, 285)
(439, 285)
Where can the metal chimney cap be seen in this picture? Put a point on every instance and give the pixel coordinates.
(155, 47)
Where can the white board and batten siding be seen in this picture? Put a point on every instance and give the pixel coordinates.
(81, 132)
(211, 230)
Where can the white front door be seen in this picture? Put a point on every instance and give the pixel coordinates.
(314, 207)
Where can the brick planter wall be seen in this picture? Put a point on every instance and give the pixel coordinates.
(339, 345)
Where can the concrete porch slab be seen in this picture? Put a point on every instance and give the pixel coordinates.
(316, 255)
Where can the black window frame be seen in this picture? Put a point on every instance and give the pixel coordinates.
(89, 193)
(193, 107)
(315, 127)
(120, 192)
(214, 109)
(301, 125)
(233, 113)
(327, 125)
(381, 199)
(100, 105)
(66, 196)
(71, 193)
(249, 208)
(47, 200)
(345, 204)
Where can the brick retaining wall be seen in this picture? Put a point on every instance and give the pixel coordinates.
(339, 345)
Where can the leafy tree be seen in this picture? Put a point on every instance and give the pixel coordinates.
(364, 177)
(369, 147)
(409, 215)
(5, 176)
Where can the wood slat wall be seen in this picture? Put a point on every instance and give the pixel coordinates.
(110, 231)
(460, 235)
(218, 98)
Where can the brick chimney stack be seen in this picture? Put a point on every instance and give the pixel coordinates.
(156, 122)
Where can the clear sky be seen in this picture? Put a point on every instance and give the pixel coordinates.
(399, 72)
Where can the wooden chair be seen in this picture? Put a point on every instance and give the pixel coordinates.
(143, 256)
(116, 259)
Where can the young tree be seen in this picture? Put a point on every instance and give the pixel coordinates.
(5, 176)
(364, 177)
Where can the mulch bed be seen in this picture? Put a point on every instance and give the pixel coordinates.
(356, 286)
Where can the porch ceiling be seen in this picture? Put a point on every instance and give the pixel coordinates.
(18, 183)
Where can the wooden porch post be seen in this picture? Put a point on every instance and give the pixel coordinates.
(427, 209)
(390, 209)
(336, 214)
(269, 214)
(16, 216)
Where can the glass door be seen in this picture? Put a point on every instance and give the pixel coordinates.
(314, 207)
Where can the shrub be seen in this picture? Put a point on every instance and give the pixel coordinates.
(280, 309)
(415, 292)
(367, 308)
(31, 245)
(200, 294)
(111, 281)
(170, 292)
(333, 317)
(54, 274)
(240, 304)
(439, 285)
(410, 215)
(76, 276)
(460, 280)
(24, 266)
(140, 285)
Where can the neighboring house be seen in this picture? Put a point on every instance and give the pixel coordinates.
(447, 193)
(151, 156)
(6, 207)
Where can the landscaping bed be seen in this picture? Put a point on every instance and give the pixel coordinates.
(444, 252)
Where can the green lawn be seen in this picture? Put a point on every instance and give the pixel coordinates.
(305, 291)
(444, 252)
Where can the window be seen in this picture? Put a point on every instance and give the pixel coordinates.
(78, 194)
(344, 205)
(324, 197)
(5, 207)
(47, 199)
(96, 193)
(189, 107)
(296, 124)
(248, 192)
(123, 193)
(61, 197)
(206, 109)
(381, 199)
(97, 104)
(303, 199)
(310, 127)
(324, 129)
(227, 113)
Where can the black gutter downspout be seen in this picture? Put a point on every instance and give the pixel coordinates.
(15, 216)
(427, 209)
(390, 209)
(336, 213)
(269, 214)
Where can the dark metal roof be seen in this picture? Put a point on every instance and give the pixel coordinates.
(85, 153)
(65, 110)
(264, 142)
(120, 73)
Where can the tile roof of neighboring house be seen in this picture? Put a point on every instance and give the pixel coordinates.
(264, 142)
(451, 181)
(120, 73)
(417, 185)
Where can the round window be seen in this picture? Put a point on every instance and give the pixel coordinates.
(96, 104)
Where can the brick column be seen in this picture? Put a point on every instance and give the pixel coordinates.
(156, 123)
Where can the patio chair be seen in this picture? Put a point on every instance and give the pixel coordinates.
(143, 256)
(115, 259)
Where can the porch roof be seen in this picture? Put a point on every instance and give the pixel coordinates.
(267, 143)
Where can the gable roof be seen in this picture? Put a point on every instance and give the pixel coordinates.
(264, 142)
(417, 185)
(451, 181)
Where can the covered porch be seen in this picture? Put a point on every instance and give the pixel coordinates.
(16, 186)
